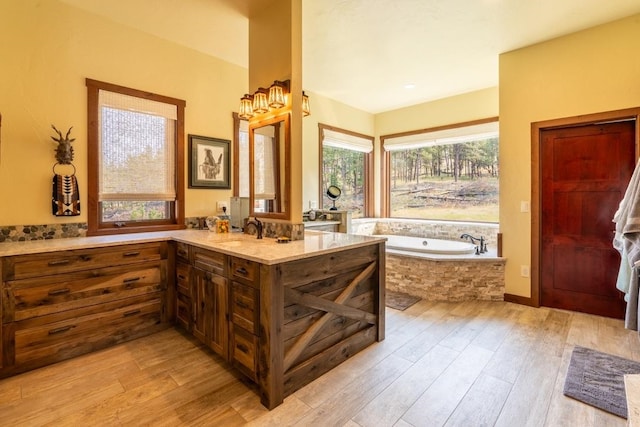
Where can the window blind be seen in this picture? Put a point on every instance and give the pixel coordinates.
(136, 143)
(331, 138)
(442, 137)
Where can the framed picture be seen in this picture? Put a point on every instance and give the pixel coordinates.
(209, 162)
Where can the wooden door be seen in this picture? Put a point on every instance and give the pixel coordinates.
(585, 171)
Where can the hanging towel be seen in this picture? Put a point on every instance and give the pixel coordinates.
(66, 197)
(627, 241)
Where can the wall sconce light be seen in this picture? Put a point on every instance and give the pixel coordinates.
(276, 95)
(263, 100)
(260, 104)
(306, 110)
(246, 107)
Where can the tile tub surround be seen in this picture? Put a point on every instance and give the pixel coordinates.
(440, 277)
(447, 230)
(451, 280)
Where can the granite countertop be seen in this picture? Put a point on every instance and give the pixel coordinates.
(265, 251)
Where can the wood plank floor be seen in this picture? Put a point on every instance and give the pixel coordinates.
(442, 364)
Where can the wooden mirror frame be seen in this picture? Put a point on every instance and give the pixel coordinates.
(283, 174)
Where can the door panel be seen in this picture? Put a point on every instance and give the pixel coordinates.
(585, 171)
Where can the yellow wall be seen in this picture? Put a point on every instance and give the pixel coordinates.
(48, 50)
(332, 113)
(591, 71)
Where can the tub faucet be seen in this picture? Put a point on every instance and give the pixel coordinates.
(257, 224)
(479, 249)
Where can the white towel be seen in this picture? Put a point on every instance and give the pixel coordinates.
(627, 241)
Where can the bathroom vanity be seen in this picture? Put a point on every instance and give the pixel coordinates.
(282, 314)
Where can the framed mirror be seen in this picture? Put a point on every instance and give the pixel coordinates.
(269, 155)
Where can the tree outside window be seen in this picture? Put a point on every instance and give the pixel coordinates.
(445, 176)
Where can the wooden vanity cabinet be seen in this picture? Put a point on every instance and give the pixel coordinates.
(209, 300)
(244, 312)
(62, 304)
(285, 324)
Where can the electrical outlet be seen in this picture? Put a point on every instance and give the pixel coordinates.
(221, 206)
(313, 204)
(524, 206)
(524, 270)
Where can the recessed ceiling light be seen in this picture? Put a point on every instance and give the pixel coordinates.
(409, 86)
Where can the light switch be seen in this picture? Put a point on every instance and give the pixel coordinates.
(524, 206)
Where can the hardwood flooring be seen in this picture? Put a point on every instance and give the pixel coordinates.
(442, 364)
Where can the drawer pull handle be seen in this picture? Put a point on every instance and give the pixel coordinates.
(130, 280)
(130, 254)
(243, 271)
(131, 313)
(182, 253)
(85, 258)
(61, 291)
(243, 348)
(60, 330)
(182, 277)
(59, 262)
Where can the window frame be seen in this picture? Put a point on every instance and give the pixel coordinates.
(95, 226)
(385, 197)
(368, 211)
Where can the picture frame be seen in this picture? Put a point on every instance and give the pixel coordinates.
(209, 162)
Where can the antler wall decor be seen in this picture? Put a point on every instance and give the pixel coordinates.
(64, 150)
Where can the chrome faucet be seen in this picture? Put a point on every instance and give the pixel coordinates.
(257, 224)
(479, 249)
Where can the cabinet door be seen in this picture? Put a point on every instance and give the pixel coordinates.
(210, 308)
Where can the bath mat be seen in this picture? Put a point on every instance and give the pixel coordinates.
(400, 301)
(597, 379)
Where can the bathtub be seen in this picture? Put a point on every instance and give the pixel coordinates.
(428, 246)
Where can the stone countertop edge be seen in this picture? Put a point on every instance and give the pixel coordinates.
(266, 251)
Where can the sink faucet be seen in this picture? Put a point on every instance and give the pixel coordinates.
(479, 249)
(257, 224)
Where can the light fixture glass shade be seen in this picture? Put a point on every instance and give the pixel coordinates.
(260, 104)
(246, 107)
(306, 109)
(276, 95)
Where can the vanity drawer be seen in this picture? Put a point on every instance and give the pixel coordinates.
(182, 278)
(244, 306)
(244, 270)
(244, 346)
(183, 311)
(62, 262)
(57, 337)
(182, 251)
(42, 296)
(210, 261)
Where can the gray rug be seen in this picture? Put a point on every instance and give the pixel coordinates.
(399, 300)
(597, 379)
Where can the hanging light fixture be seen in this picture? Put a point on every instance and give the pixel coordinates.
(306, 110)
(246, 107)
(260, 103)
(276, 95)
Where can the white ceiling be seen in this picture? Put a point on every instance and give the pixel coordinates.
(364, 52)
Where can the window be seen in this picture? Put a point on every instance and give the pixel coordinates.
(136, 158)
(346, 161)
(241, 157)
(449, 173)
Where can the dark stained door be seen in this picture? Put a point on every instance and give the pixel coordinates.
(585, 171)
